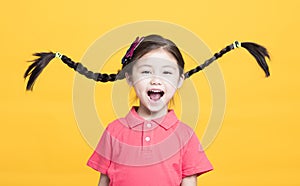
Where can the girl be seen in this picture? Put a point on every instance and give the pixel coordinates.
(149, 146)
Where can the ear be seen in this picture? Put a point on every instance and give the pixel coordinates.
(128, 79)
(180, 81)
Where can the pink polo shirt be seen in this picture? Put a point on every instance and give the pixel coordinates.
(134, 151)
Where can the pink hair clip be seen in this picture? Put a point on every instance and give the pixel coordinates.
(131, 49)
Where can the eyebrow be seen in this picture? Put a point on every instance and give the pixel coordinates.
(144, 65)
(151, 66)
(170, 66)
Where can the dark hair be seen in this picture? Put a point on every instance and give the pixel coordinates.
(148, 44)
(137, 50)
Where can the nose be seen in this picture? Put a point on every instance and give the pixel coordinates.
(155, 81)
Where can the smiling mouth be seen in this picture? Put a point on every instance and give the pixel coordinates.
(155, 94)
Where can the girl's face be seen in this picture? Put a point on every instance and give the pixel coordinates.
(155, 78)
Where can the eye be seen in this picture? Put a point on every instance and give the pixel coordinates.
(146, 72)
(167, 72)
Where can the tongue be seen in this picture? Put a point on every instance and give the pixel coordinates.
(154, 96)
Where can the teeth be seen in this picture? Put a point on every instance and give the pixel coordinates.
(155, 91)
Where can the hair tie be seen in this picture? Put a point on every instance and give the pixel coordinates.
(58, 55)
(236, 44)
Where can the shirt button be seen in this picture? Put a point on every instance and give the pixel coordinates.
(149, 125)
(147, 138)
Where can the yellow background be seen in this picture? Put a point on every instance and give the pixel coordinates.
(258, 143)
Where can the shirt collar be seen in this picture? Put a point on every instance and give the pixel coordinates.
(167, 121)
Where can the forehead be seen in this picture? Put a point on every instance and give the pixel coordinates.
(157, 57)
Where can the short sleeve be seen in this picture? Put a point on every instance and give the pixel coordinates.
(100, 159)
(194, 160)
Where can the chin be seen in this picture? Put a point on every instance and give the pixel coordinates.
(156, 108)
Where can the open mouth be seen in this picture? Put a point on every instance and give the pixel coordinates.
(155, 94)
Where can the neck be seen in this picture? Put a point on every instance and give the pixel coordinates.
(149, 115)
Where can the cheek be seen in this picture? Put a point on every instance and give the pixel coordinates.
(140, 85)
(171, 82)
(140, 80)
(171, 91)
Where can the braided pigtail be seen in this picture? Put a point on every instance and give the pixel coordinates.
(257, 51)
(43, 60)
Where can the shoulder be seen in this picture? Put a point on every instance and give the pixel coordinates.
(116, 125)
(192, 140)
(184, 128)
(184, 125)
